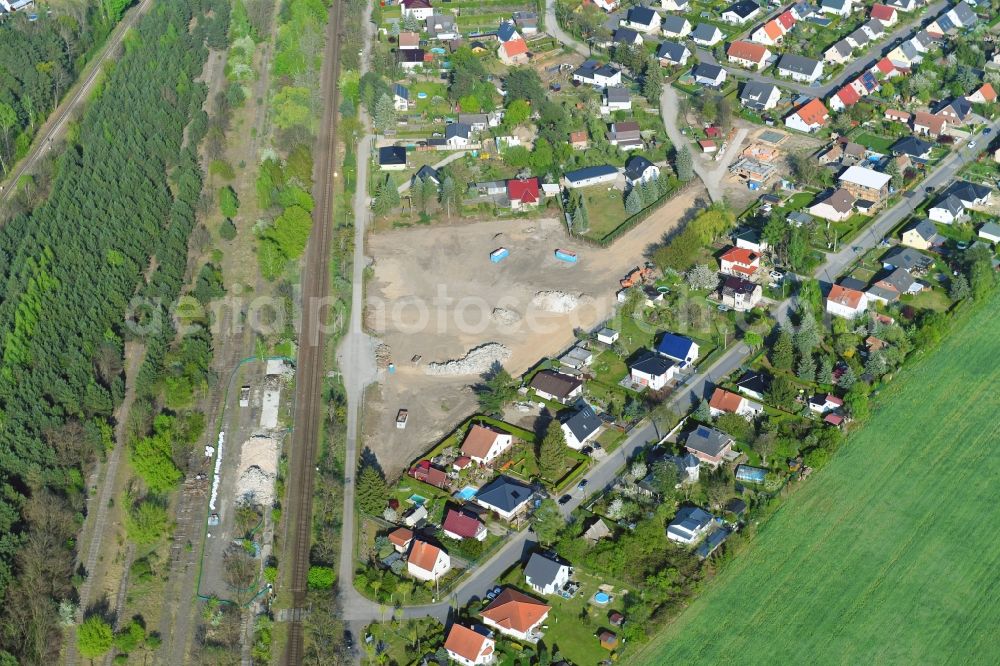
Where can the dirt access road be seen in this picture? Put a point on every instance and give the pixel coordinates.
(434, 292)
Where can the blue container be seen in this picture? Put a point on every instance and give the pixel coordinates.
(498, 255)
(567, 256)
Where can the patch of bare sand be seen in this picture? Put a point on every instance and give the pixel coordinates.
(434, 294)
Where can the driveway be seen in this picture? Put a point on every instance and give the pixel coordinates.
(445, 162)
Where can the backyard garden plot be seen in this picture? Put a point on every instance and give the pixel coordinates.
(890, 553)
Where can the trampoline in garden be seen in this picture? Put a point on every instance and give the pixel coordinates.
(663, 290)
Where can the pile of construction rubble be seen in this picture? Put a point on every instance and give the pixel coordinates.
(557, 302)
(258, 471)
(476, 362)
(505, 317)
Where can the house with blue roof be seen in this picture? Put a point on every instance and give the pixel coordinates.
(400, 97)
(678, 348)
(507, 32)
(593, 175)
(505, 497)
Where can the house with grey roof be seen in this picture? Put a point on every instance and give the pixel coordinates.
(839, 53)
(690, 524)
(800, 68)
(706, 74)
(505, 497)
(642, 18)
(706, 34)
(921, 235)
(616, 98)
(709, 445)
(970, 194)
(963, 15)
(990, 232)
(947, 210)
(836, 7)
(672, 53)
(546, 574)
(889, 288)
(675, 26)
(627, 36)
(581, 427)
(758, 96)
(906, 258)
(914, 148)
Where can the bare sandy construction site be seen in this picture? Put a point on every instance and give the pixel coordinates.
(436, 295)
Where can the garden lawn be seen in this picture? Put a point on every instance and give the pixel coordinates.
(880, 144)
(889, 554)
(569, 631)
(605, 210)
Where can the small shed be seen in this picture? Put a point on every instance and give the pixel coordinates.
(990, 232)
(607, 336)
(609, 639)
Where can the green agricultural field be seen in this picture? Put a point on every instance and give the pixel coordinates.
(890, 554)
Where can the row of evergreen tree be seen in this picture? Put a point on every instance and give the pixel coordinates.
(124, 193)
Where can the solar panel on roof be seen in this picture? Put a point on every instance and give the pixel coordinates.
(868, 80)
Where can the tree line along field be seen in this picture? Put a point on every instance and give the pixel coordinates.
(889, 555)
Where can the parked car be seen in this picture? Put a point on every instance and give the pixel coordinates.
(564, 499)
(972, 144)
(582, 484)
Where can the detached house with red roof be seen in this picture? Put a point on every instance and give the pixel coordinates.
(517, 615)
(748, 54)
(727, 402)
(846, 302)
(886, 68)
(484, 445)
(929, 124)
(885, 14)
(809, 117)
(427, 561)
(769, 34)
(469, 647)
(843, 98)
(401, 538)
(459, 525)
(984, 95)
(523, 193)
(739, 261)
(514, 52)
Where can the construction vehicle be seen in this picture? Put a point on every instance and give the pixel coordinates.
(637, 275)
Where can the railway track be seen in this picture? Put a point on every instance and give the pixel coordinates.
(308, 387)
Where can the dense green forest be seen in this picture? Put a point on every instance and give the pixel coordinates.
(124, 191)
(39, 60)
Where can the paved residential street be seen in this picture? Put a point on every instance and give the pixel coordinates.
(859, 62)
